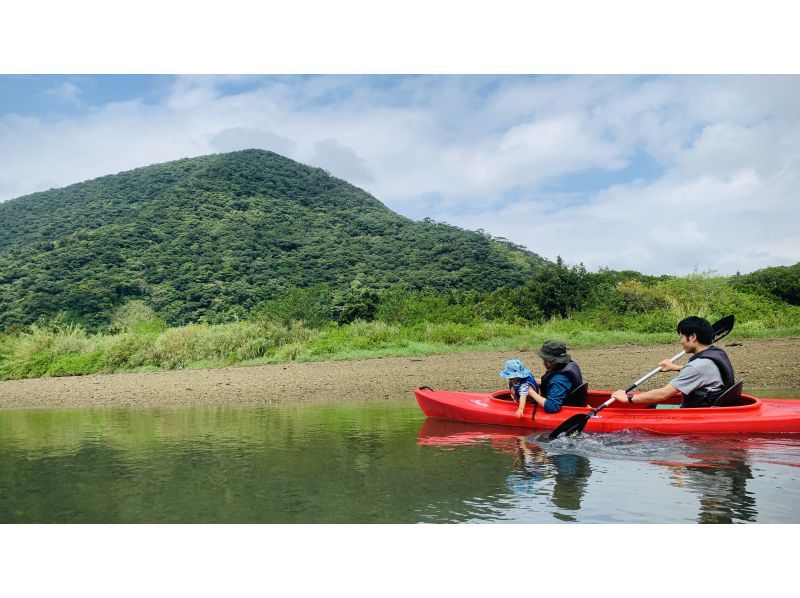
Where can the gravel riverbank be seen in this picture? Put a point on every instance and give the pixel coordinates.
(760, 363)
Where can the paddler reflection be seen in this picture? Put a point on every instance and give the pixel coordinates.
(534, 468)
(719, 477)
(569, 472)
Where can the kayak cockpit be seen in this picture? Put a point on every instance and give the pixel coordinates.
(595, 398)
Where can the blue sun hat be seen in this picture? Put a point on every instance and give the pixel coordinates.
(514, 368)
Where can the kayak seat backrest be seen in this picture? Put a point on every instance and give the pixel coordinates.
(732, 397)
(577, 398)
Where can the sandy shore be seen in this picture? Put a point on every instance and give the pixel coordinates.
(761, 364)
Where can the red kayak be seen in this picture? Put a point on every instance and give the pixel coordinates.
(753, 415)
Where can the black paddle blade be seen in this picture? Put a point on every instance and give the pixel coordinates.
(723, 327)
(571, 426)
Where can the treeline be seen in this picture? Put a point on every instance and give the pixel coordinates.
(319, 322)
(604, 300)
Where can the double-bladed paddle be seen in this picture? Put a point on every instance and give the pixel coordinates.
(576, 423)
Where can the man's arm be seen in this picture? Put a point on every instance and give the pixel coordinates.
(688, 380)
(651, 396)
(668, 366)
(557, 392)
(537, 397)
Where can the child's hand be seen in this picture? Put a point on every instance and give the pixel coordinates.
(519, 412)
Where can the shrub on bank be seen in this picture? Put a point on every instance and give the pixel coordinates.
(43, 351)
(628, 310)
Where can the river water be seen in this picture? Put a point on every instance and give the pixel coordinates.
(374, 463)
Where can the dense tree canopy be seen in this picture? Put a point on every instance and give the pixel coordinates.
(781, 282)
(216, 238)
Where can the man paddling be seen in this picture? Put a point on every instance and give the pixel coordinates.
(706, 375)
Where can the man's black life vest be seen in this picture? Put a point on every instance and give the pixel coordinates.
(701, 397)
(571, 370)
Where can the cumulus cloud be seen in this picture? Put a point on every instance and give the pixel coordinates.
(8, 189)
(66, 92)
(552, 163)
(239, 138)
(341, 160)
(670, 226)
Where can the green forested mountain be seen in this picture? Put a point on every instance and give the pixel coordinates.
(214, 237)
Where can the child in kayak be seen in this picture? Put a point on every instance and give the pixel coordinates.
(562, 375)
(520, 381)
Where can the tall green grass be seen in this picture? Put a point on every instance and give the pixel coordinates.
(69, 350)
(410, 324)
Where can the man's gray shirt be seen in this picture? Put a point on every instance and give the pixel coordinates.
(700, 373)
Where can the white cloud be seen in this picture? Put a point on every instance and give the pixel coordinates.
(66, 92)
(239, 138)
(725, 150)
(342, 160)
(738, 223)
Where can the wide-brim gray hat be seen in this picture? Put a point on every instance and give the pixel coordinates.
(554, 352)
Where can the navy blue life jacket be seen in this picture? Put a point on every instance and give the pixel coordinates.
(700, 397)
(570, 370)
(515, 387)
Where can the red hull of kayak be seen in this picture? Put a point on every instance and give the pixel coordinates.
(759, 416)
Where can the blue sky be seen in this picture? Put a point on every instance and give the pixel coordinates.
(661, 174)
(57, 96)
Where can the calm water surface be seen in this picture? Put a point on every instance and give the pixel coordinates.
(368, 462)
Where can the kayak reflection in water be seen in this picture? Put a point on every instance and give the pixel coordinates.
(720, 480)
(570, 473)
(532, 465)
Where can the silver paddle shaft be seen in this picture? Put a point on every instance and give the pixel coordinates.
(638, 382)
(653, 373)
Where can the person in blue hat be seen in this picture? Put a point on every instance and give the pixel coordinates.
(520, 381)
(561, 377)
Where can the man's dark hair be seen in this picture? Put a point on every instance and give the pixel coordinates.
(698, 326)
